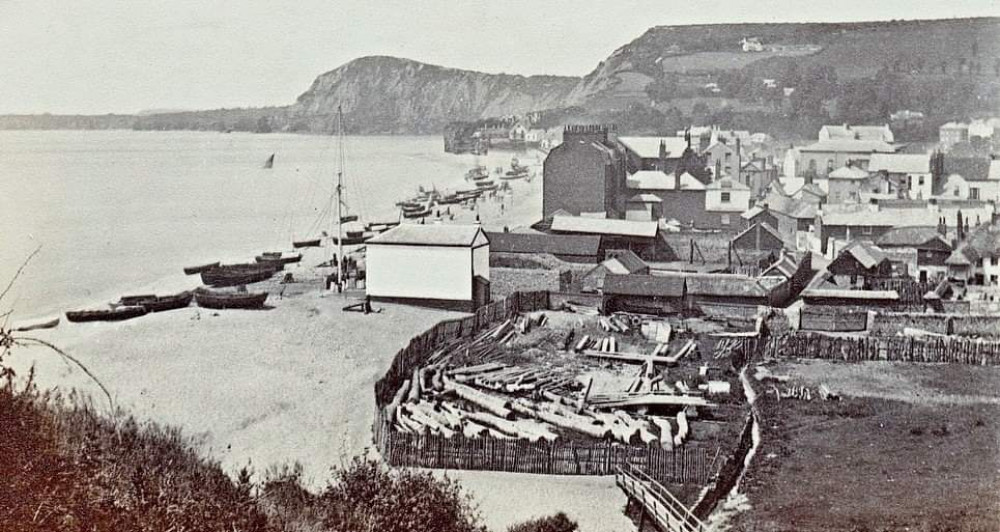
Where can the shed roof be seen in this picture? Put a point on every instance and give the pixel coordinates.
(605, 226)
(824, 293)
(643, 285)
(582, 245)
(443, 235)
(725, 284)
(763, 225)
(625, 262)
(866, 254)
(649, 147)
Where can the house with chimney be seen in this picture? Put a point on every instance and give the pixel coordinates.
(655, 194)
(837, 226)
(585, 174)
(970, 178)
(930, 245)
(911, 170)
(725, 200)
(976, 259)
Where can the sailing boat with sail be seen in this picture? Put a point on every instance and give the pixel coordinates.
(269, 163)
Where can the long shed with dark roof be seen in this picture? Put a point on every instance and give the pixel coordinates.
(571, 248)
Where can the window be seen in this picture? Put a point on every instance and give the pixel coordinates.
(812, 164)
(995, 261)
(993, 279)
(973, 193)
(866, 229)
(725, 219)
(920, 180)
(957, 190)
(725, 197)
(729, 156)
(829, 165)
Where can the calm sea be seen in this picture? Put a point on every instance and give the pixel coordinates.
(121, 211)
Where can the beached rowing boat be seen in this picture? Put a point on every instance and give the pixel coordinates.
(314, 243)
(109, 314)
(223, 300)
(191, 270)
(34, 326)
(237, 274)
(154, 303)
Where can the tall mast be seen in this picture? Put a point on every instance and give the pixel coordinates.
(340, 185)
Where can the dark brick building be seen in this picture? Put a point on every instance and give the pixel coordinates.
(584, 174)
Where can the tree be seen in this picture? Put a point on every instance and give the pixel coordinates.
(555, 523)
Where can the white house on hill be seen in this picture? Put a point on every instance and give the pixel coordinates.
(441, 266)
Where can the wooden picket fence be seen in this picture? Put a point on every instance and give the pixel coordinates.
(864, 348)
(688, 463)
(685, 464)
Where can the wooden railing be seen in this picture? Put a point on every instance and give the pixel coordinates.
(670, 514)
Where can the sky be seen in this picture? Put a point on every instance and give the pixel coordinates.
(123, 56)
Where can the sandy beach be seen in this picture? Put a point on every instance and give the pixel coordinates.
(295, 383)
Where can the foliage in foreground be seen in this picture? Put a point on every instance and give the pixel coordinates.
(65, 467)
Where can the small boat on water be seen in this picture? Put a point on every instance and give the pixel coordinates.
(223, 300)
(313, 243)
(191, 270)
(237, 274)
(477, 172)
(109, 314)
(269, 163)
(517, 170)
(154, 303)
(36, 325)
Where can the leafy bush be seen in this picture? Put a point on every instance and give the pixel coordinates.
(555, 523)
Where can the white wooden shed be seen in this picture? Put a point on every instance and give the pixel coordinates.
(441, 266)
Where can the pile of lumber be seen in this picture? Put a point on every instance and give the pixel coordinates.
(608, 344)
(647, 399)
(614, 324)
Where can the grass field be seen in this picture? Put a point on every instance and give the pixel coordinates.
(910, 447)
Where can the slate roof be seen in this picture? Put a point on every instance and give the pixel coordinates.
(900, 163)
(727, 184)
(583, 245)
(447, 235)
(726, 284)
(848, 172)
(657, 180)
(900, 217)
(603, 226)
(649, 147)
(643, 285)
(645, 198)
(972, 168)
(849, 146)
(909, 236)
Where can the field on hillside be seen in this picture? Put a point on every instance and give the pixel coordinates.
(910, 447)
